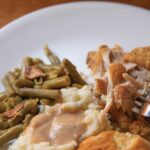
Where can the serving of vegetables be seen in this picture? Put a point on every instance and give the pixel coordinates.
(32, 85)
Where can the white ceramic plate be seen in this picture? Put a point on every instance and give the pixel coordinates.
(71, 30)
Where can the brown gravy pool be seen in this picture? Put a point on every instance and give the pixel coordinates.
(57, 127)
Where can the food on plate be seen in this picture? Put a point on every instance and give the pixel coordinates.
(140, 56)
(100, 60)
(64, 125)
(11, 133)
(29, 88)
(114, 140)
(123, 82)
(115, 73)
(54, 107)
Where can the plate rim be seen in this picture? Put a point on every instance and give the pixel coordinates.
(31, 14)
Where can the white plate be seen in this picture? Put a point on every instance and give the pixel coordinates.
(71, 30)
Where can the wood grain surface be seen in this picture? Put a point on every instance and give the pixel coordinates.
(12, 9)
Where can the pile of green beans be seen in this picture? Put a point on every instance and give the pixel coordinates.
(35, 83)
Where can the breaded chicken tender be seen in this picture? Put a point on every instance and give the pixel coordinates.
(115, 71)
(95, 59)
(140, 56)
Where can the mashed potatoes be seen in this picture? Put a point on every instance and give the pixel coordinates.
(62, 126)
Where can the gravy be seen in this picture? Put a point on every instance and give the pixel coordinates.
(57, 127)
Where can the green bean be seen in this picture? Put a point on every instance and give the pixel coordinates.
(17, 72)
(27, 61)
(71, 69)
(55, 72)
(28, 107)
(38, 87)
(52, 69)
(11, 133)
(46, 101)
(6, 105)
(38, 81)
(60, 82)
(2, 107)
(3, 95)
(52, 58)
(11, 102)
(12, 79)
(52, 74)
(13, 116)
(39, 93)
(35, 110)
(8, 87)
(2, 131)
(24, 83)
(61, 71)
(79, 86)
(3, 124)
(27, 120)
(37, 61)
(45, 67)
(15, 120)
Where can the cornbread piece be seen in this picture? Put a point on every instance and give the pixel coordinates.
(113, 140)
(140, 56)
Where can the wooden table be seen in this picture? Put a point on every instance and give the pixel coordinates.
(12, 9)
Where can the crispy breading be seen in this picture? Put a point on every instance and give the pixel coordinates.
(113, 140)
(122, 120)
(140, 56)
(94, 59)
(140, 127)
(98, 60)
(91, 61)
(133, 81)
(100, 87)
(124, 96)
(115, 73)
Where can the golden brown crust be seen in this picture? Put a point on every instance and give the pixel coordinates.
(122, 120)
(124, 96)
(100, 87)
(103, 141)
(113, 140)
(91, 62)
(116, 70)
(140, 56)
(94, 59)
(140, 127)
